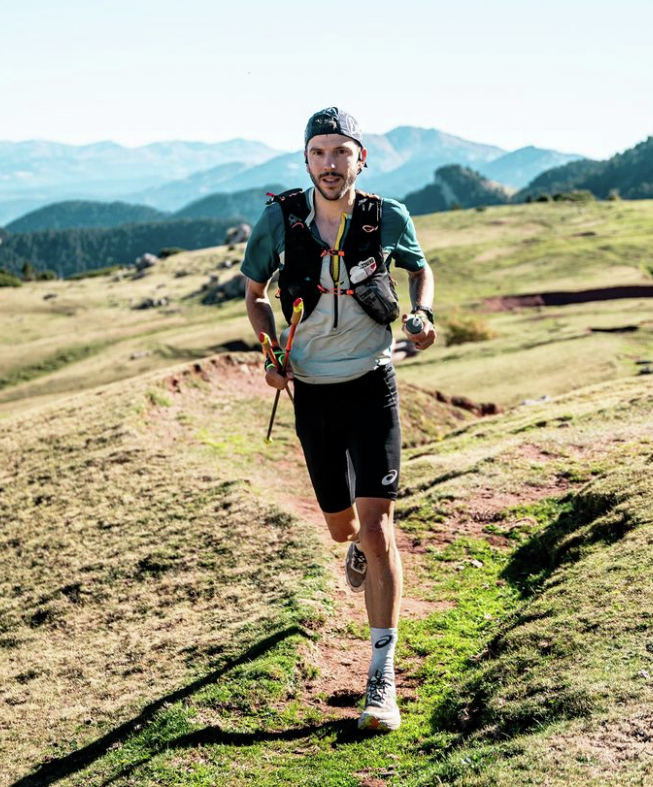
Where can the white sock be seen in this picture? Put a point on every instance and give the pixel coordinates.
(384, 642)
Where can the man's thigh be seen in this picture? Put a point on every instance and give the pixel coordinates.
(324, 442)
(374, 439)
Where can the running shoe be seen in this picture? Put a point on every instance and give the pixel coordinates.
(355, 568)
(381, 712)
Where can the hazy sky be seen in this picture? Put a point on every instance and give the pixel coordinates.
(575, 76)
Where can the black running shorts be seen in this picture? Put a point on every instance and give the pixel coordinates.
(351, 437)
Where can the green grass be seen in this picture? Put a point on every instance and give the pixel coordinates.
(50, 364)
(536, 645)
(107, 271)
(572, 662)
(126, 573)
(474, 255)
(162, 610)
(246, 722)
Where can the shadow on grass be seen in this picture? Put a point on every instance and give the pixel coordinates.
(54, 770)
(582, 522)
(478, 702)
(344, 729)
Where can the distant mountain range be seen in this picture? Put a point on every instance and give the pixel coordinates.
(169, 175)
(82, 214)
(400, 161)
(73, 236)
(35, 173)
(518, 168)
(244, 205)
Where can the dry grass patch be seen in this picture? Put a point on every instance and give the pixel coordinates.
(128, 567)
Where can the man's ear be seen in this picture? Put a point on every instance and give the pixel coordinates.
(362, 158)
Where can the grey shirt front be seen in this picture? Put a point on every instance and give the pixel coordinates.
(321, 352)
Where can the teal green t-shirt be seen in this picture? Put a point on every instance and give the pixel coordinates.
(267, 241)
(322, 351)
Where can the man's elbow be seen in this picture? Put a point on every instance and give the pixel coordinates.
(255, 291)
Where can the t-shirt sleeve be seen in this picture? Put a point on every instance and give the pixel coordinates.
(398, 236)
(264, 246)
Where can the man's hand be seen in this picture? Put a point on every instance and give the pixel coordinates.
(278, 381)
(425, 338)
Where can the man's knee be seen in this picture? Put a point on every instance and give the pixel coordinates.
(376, 537)
(342, 525)
(376, 533)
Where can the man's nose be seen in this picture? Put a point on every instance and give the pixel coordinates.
(329, 161)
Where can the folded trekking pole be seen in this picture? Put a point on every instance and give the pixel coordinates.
(268, 352)
(297, 313)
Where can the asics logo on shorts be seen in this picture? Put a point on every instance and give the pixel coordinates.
(390, 478)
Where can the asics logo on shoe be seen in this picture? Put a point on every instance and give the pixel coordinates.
(381, 643)
(390, 478)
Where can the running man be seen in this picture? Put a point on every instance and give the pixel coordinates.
(332, 246)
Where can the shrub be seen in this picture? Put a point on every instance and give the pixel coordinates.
(462, 328)
(169, 251)
(581, 195)
(96, 272)
(8, 279)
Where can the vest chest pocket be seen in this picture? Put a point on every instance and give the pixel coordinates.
(377, 296)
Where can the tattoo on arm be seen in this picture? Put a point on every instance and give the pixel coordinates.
(420, 286)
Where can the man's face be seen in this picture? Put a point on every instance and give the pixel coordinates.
(333, 162)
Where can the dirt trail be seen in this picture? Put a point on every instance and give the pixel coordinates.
(341, 656)
(564, 298)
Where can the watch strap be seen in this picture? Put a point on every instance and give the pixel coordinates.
(425, 310)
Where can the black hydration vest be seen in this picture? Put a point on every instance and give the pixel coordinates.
(301, 272)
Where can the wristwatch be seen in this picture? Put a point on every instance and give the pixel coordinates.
(425, 310)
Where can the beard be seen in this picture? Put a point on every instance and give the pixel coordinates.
(340, 188)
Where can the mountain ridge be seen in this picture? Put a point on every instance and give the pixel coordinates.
(169, 174)
(630, 174)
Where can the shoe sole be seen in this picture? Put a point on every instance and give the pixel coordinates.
(369, 722)
(359, 589)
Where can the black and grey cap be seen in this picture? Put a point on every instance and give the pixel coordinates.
(333, 121)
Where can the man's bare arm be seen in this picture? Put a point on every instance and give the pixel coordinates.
(259, 309)
(421, 290)
(421, 287)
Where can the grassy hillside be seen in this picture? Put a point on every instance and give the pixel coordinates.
(171, 613)
(188, 632)
(530, 249)
(92, 335)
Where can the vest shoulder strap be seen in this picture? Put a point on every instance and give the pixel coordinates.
(291, 201)
(364, 234)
